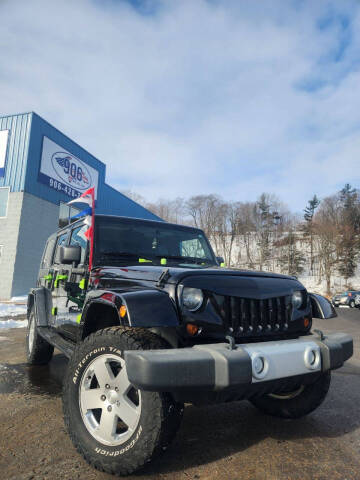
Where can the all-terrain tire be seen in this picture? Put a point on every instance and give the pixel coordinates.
(295, 404)
(159, 416)
(38, 350)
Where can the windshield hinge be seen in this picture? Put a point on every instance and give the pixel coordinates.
(163, 277)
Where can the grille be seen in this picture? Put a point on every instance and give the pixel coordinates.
(252, 317)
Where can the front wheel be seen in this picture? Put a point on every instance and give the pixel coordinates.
(116, 427)
(297, 403)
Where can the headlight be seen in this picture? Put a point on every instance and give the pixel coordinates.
(297, 298)
(192, 298)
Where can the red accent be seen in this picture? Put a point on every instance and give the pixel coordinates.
(90, 232)
(110, 297)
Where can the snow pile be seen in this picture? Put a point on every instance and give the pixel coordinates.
(13, 323)
(16, 307)
(12, 309)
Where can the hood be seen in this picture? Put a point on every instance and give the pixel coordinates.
(176, 274)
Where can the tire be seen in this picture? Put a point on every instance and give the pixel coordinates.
(38, 350)
(352, 304)
(295, 404)
(137, 425)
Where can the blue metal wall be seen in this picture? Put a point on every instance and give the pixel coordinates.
(39, 129)
(18, 142)
(23, 164)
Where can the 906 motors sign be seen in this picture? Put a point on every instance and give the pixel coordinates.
(62, 171)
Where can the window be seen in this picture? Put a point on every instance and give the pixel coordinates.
(78, 238)
(65, 213)
(122, 240)
(192, 248)
(61, 240)
(4, 199)
(49, 250)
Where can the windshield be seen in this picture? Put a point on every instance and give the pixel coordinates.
(130, 242)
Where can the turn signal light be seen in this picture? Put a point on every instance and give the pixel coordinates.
(192, 329)
(122, 311)
(306, 322)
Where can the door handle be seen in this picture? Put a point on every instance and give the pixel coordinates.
(48, 278)
(59, 278)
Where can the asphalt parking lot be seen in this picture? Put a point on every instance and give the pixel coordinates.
(232, 441)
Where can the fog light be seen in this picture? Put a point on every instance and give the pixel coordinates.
(260, 366)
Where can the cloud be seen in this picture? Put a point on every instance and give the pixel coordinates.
(180, 98)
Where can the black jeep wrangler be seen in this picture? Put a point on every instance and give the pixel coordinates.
(157, 323)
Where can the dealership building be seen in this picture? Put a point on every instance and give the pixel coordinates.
(41, 169)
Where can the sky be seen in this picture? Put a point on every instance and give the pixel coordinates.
(188, 97)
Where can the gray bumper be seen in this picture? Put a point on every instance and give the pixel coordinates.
(215, 367)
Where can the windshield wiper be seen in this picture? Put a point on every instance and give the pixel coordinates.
(198, 261)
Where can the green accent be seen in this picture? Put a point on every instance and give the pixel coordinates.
(222, 264)
(47, 278)
(163, 261)
(82, 284)
(58, 279)
(54, 311)
(78, 318)
(144, 260)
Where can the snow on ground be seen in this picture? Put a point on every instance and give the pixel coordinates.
(12, 310)
(13, 323)
(20, 299)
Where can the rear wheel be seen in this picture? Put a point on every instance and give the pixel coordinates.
(297, 403)
(116, 427)
(38, 350)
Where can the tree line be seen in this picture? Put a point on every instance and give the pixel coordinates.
(323, 242)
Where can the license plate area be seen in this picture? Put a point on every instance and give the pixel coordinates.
(273, 360)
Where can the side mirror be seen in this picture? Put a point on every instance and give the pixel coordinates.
(321, 307)
(70, 255)
(220, 260)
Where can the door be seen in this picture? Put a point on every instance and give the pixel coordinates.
(69, 284)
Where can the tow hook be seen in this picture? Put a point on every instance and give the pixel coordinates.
(319, 333)
(231, 340)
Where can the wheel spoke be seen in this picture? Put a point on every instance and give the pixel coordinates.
(90, 399)
(122, 382)
(128, 412)
(103, 372)
(107, 425)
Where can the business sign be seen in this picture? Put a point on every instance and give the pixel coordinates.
(62, 171)
(4, 136)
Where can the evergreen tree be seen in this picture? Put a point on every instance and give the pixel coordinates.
(349, 229)
(309, 213)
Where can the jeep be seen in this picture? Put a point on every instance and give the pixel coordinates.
(156, 322)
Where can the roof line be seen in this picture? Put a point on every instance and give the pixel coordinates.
(71, 140)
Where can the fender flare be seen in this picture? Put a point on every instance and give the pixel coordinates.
(144, 308)
(41, 299)
(150, 308)
(321, 307)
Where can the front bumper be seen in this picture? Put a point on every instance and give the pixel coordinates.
(214, 367)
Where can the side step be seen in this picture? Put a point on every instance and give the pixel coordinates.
(65, 346)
